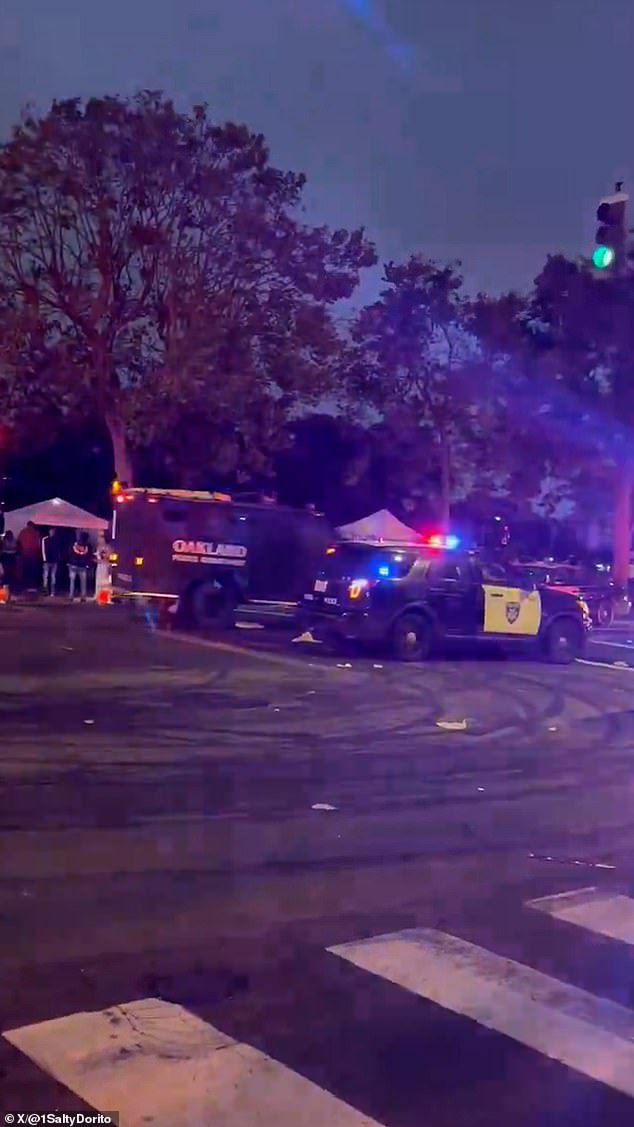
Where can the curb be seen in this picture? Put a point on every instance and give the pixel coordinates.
(240, 651)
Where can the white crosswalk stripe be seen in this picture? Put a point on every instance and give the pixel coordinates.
(592, 1035)
(594, 909)
(155, 1061)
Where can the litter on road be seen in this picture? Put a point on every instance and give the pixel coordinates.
(322, 806)
(452, 725)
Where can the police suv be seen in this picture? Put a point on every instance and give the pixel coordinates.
(408, 598)
(208, 554)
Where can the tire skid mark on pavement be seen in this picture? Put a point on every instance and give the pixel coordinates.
(407, 707)
(393, 776)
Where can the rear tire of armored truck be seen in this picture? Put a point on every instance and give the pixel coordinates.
(213, 607)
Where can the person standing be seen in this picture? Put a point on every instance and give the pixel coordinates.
(8, 559)
(79, 562)
(50, 561)
(103, 582)
(30, 553)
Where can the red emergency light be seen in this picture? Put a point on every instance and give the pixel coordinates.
(440, 540)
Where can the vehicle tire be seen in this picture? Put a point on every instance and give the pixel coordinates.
(563, 642)
(605, 613)
(411, 638)
(213, 607)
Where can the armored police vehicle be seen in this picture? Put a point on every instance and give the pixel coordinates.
(208, 555)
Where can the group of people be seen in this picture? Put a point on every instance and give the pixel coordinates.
(30, 561)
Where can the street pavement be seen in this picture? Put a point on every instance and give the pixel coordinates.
(256, 883)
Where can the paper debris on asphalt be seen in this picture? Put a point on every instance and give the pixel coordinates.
(306, 637)
(344, 665)
(375, 666)
(322, 806)
(89, 721)
(452, 725)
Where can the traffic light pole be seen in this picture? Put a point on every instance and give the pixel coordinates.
(610, 257)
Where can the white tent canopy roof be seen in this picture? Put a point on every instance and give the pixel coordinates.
(55, 514)
(379, 528)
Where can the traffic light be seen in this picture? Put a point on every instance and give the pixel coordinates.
(611, 234)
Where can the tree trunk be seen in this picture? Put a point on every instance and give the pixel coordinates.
(622, 525)
(445, 485)
(121, 454)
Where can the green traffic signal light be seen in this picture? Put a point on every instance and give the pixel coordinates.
(602, 257)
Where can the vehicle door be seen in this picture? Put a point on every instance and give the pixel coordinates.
(453, 596)
(273, 550)
(511, 605)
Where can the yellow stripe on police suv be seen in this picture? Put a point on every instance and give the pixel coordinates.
(509, 610)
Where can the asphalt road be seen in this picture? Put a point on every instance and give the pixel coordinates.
(193, 841)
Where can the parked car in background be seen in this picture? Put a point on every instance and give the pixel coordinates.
(592, 584)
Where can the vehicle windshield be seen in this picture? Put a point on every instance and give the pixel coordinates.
(358, 561)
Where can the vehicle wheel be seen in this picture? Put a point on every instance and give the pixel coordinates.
(605, 613)
(411, 638)
(213, 607)
(563, 642)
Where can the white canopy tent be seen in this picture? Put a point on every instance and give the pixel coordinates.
(54, 513)
(379, 528)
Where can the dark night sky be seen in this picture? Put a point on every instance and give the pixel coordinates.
(479, 129)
